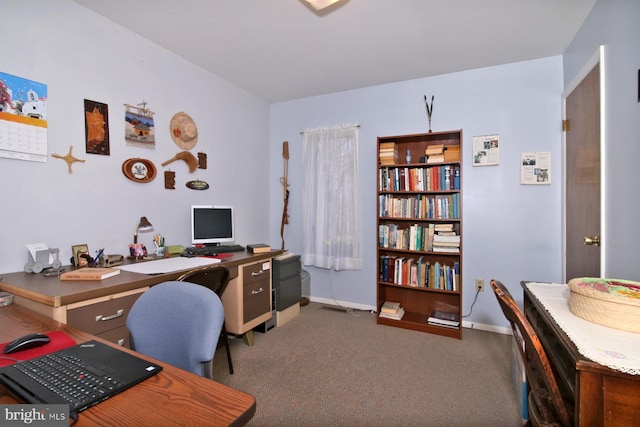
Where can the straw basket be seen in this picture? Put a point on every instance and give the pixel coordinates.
(612, 303)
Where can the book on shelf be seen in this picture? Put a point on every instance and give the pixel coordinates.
(434, 149)
(90, 273)
(435, 158)
(437, 244)
(444, 318)
(452, 153)
(390, 307)
(258, 248)
(396, 316)
(448, 249)
(444, 238)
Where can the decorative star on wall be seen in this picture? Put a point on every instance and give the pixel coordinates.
(68, 158)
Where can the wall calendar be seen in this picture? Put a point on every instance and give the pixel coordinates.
(23, 119)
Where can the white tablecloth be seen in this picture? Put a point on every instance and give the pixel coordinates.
(619, 350)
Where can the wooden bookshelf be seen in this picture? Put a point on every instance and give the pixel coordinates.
(418, 199)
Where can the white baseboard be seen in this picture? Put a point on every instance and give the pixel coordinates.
(485, 327)
(465, 324)
(345, 304)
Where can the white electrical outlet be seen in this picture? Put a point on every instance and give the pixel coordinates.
(480, 285)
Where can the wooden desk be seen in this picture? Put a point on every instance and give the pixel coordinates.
(601, 396)
(86, 304)
(172, 397)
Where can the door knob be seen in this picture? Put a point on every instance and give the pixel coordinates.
(595, 240)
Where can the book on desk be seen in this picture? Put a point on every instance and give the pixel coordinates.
(90, 273)
(258, 248)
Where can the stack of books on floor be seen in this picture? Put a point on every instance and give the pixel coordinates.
(388, 153)
(443, 318)
(391, 310)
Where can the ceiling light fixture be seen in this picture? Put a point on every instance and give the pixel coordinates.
(321, 4)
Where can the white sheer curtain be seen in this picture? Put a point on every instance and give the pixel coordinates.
(330, 198)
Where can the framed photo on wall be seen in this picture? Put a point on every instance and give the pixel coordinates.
(77, 251)
(535, 167)
(486, 150)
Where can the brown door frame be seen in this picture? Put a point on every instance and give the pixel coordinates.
(598, 59)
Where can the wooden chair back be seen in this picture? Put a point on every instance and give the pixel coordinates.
(546, 405)
(214, 277)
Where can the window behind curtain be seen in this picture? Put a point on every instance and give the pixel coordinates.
(330, 198)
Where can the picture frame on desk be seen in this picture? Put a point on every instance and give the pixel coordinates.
(78, 251)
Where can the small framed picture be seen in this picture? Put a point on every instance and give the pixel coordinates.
(96, 127)
(78, 251)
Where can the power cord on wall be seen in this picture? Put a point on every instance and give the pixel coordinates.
(474, 301)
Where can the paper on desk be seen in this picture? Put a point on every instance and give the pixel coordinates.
(168, 265)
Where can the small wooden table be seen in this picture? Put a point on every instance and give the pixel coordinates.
(602, 396)
(172, 397)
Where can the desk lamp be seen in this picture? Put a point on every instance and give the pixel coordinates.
(144, 225)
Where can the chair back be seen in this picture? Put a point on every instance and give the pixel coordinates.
(214, 277)
(549, 406)
(178, 323)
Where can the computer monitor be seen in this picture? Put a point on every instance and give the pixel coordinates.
(211, 225)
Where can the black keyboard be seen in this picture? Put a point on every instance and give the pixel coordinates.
(69, 378)
(228, 248)
(211, 250)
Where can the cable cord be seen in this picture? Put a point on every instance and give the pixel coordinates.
(352, 311)
(474, 301)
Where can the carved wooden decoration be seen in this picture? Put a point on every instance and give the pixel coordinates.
(169, 180)
(68, 158)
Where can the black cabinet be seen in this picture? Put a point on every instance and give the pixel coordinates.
(287, 280)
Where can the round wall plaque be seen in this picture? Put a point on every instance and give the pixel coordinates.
(139, 170)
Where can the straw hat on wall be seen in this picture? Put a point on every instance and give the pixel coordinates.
(183, 131)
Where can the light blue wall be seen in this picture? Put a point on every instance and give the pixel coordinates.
(81, 55)
(511, 231)
(615, 25)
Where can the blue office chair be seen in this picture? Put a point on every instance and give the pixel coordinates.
(178, 323)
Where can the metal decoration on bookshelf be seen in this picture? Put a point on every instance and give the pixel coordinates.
(429, 109)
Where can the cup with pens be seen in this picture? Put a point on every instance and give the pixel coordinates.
(158, 241)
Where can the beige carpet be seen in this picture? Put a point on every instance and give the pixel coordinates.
(334, 368)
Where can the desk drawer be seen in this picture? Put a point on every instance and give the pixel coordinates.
(118, 336)
(256, 291)
(102, 316)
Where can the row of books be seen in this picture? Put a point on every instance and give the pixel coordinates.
(435, 178)
(391, 310)
(440, 206)
(419, 273)
(419, 237)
